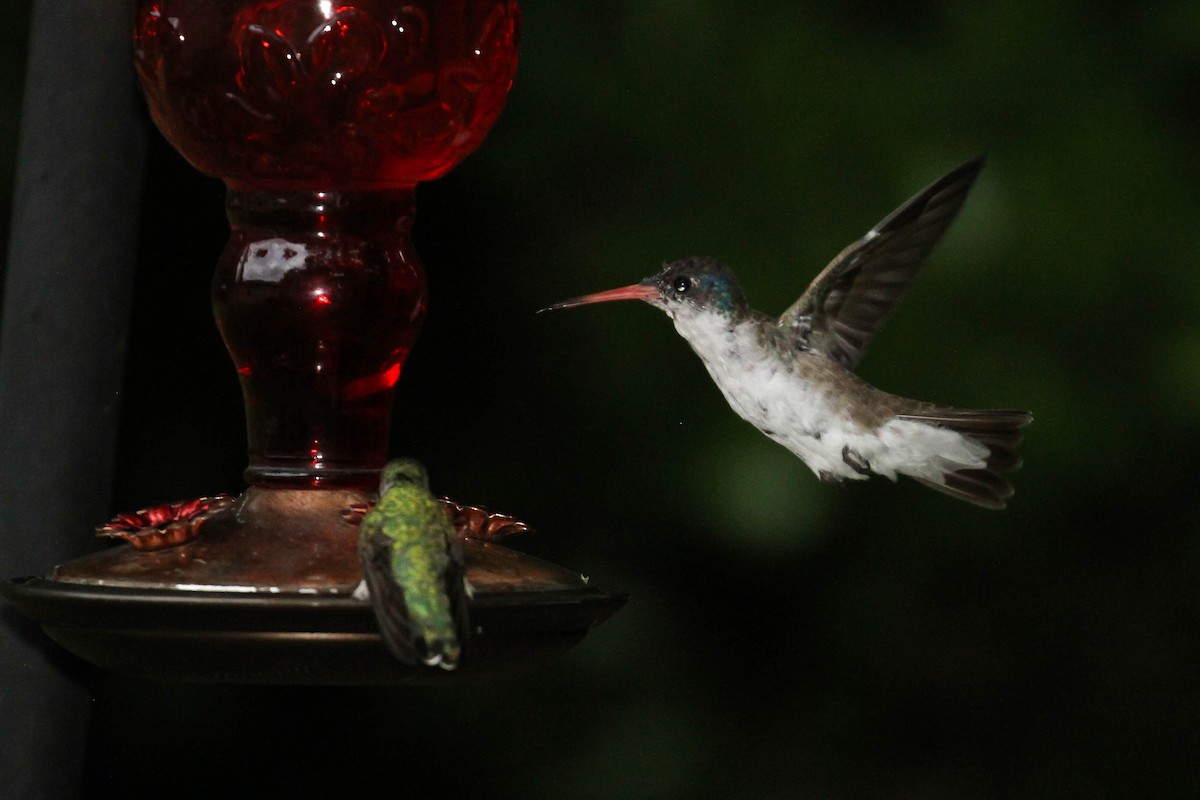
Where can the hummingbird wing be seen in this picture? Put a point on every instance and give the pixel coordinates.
(845, 306)
(459, 593)
(387, 595)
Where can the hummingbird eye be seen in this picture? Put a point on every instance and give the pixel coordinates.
(682, 284)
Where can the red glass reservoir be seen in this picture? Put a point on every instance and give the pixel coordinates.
(325, 94)
(319, 297)
(321, 117)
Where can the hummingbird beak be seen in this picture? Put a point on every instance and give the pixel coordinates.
(638, 291)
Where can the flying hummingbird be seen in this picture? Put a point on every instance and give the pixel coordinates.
(411, 560)
(791, 377)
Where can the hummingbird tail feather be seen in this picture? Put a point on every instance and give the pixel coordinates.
(444, 653)
(1000, 431)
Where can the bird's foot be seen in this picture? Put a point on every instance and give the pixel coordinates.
(354, 512)
(830, 479)
(855, 461)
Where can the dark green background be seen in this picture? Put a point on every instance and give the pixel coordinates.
(784, 638)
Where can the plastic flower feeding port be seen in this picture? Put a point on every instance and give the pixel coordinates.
(321, 118)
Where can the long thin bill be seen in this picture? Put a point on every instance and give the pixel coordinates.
(638, 291)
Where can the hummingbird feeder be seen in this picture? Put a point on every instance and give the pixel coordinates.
(321, 119)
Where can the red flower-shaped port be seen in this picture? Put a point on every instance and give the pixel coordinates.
(470, 522)
(165, 525)
(475, 522)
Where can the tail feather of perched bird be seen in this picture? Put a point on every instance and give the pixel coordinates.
(412, 565)
(791, 377)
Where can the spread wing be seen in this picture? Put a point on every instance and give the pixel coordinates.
(845, 306)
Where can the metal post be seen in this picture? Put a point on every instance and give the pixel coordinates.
(62, 345)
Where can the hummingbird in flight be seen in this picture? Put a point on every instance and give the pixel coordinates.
(412, 564)
(791, 377)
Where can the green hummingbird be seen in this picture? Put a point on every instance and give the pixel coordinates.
(412, 566)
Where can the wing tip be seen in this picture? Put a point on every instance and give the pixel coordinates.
(950, 189)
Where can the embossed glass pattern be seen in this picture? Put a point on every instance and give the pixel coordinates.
(321, 117)
(322, 94)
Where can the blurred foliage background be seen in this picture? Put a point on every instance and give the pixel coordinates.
(784, 638)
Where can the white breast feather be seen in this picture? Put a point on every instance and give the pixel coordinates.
(760, 389)
(800, 416)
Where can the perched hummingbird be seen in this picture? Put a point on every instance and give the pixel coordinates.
(791, 377)
(411, 560)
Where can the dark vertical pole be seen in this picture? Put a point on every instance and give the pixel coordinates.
(62, 343)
